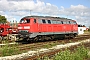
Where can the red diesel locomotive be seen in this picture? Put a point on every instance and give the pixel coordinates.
(46, 28)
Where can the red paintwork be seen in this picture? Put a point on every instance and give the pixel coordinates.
(3, 29)
(54, 28)
(40, 27)
(6, 29)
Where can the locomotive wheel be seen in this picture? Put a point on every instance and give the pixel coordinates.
(39, 38)
(52, 37)
(72, 36)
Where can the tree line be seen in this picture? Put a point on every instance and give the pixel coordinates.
(3, 19)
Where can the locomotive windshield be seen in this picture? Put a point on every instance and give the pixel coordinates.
(25, 21)
(74, 22)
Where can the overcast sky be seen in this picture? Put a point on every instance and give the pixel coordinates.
(78, 10)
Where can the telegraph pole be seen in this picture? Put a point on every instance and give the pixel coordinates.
(67, 16)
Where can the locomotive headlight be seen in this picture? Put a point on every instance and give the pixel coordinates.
(26, 27)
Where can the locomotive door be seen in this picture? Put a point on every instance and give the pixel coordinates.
(35, 26)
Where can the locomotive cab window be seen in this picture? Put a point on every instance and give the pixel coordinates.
(21, 21)
(74, 22)
(49, 21)
(25, 21)
(64, 22)
(61, 22)
(43, 21)
(68, 22)
(54, 21)
(28, 20)
(34, 20)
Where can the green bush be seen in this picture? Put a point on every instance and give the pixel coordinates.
(8, 50)
(80, 53)
(65, 55)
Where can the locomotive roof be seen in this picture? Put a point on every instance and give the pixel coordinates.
(45, 17)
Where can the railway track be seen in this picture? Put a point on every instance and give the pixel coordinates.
(54, 42)
(49, 44)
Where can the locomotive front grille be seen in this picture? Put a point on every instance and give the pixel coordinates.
(23, 32)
